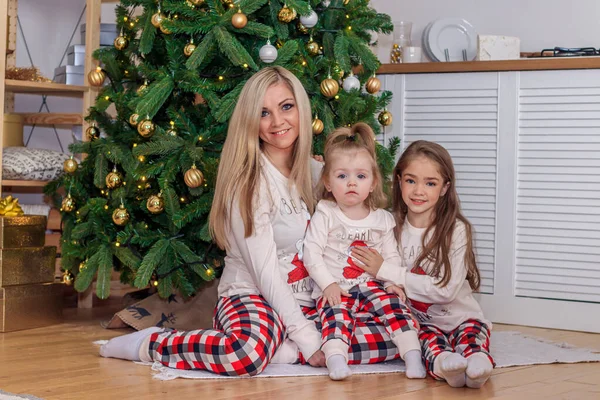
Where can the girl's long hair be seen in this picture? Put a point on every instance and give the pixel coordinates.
(447, 212)
(359, 137)
(239, 166)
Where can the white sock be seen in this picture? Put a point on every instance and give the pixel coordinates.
(127, 347)
(479, 369)
(338, 367)
(287, 353)
(451, 367)
(414, 365)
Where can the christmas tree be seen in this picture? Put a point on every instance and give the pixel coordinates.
(139, 201)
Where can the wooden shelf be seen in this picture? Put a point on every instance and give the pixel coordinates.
(51, 119)
(524, 64)
(23, 184)
(44, 88)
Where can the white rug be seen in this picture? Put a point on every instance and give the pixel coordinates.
(11, 396)
(509, 349)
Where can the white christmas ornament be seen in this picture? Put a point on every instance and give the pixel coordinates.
(326, 3)
(351, 82)
(268, 53)
(310, 20)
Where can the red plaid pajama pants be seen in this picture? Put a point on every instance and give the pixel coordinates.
(246, 333)
(470, 337)
(365, 321)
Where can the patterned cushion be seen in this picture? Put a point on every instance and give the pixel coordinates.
(32, 164)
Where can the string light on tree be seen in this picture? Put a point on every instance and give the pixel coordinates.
(309, 20)
(268, 53)
(351, 83)
(96, 77)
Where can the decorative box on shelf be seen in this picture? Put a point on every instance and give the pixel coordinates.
(13, 130)
(30, 306)
(27, 265)
(69, 74)
(108, 34)
(76, 55)
(24, 231)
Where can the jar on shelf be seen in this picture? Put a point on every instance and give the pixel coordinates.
(402, 31)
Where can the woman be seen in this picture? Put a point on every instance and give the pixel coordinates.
(262, 205)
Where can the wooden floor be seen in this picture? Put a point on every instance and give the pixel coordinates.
(60, 362)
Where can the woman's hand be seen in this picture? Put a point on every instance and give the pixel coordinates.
(398, 291)
(333, 294)
(371, 259)
(317, 360)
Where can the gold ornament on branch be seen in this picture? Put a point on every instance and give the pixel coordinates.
(82, 266)
(68, 204)
(312, 47)
(329, 87)
(385, 118)
(157, 19)
(10, 207)
(155, 204)
(286, 14)
(120, 216)
(92, 133)
(373, 85)
(146, 128)
(172, 131)
(239, 19)
(228, 3)
(196, 2)
(96, 77)
(193, 177)
(142, 88)
(163, 28)
(25, 74)
(134, 119)
(189, 48)
(67, 278)
(317, 126)
(70, 165)
(121, 42)
(113, 179)
(337, 72)
(301, 28)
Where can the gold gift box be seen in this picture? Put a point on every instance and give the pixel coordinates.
(27, 265)
(25, 231)
(30, 306)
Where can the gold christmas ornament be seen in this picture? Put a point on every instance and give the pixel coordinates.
(286, 14)
(337, 72)
(121, 42)
(96, 77)
(163, 28)
(146, 128)
(373, 85)
(70, 165)
(172, 131)
(329, 87)
(301, 28)
(197, 2)
(142, 88)
(67, 278)
(239, 20)
(189, 49)
(113, 179)
(10, 207)
(193, 177)
(317, 126)
(155, 204)
(134, 119)
(120, 216)
(82, 266)
(312, 48)
(157, 19)
(68, 204)
(385, 118)
(92, 133)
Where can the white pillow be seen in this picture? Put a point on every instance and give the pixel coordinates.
(32, 164)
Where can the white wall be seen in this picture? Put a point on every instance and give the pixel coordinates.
(539, 23)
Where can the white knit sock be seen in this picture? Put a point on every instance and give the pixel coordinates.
(128, 346)
(338, 367)
(451, 367)
(414, 365)
(479, 369)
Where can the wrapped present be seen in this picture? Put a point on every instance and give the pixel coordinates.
(24, 231)
(27, 265)
(30, 306)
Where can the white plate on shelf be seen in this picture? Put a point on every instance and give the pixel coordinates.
(454, 34)
(425, 43)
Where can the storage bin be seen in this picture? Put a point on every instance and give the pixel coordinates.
(76, 55)
(108, 34)
(69, 74)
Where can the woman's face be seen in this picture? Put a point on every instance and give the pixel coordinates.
(279, 121)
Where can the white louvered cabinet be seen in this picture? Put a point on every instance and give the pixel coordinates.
(526, 147)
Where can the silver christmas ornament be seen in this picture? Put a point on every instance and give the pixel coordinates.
(310, 20)
(268, 53)
(350, 83)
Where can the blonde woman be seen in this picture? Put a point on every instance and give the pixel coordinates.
(262, 205)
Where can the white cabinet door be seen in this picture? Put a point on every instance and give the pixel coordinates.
(526, 146)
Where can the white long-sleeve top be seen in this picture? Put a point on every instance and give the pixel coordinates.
(444, 307)
(260, 263)
(330, 238)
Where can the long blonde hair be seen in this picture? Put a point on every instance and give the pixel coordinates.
(359, 137)
(239, 166)
(447, 212)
